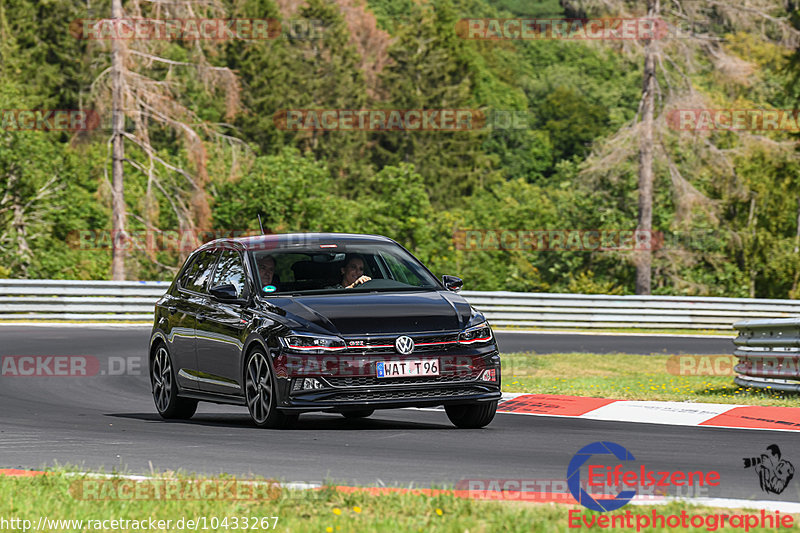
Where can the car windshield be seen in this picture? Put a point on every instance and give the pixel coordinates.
(338, 268)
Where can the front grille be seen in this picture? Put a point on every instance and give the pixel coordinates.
(367, 381)
(402, 394)
(385, 344)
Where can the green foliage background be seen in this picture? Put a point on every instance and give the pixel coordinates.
(418, 188)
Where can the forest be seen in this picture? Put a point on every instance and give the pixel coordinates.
(559, 129)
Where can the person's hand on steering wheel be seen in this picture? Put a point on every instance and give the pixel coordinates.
(359, 281)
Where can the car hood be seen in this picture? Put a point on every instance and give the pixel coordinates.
(378, 313)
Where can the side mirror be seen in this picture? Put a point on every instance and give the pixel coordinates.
(452, 283)
(225, 292)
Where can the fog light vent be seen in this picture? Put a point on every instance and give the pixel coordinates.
(489, 375)
(299, 384)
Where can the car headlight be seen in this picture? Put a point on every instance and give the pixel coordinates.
(482, 333)
(312, 343)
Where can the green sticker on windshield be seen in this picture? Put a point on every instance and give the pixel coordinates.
(270, 288)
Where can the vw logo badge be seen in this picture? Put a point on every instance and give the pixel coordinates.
(404, 345)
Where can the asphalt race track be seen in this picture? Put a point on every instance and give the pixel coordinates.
(108, 422)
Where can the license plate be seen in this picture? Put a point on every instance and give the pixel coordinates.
(407, 368)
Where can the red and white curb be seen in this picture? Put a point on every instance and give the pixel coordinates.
(669, 413)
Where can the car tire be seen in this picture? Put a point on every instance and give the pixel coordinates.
(472, 415)
(363, 413)
(165, 388)
(260, 392)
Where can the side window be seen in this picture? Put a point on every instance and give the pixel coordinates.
(399, 271)
(187, 270)
(230, 270)
(198, 274)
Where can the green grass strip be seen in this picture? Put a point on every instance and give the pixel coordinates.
(636, 377)
(327, 510)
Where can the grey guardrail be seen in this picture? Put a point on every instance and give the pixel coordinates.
(768, 353)
(42, 299)
(605, 311)
(134, 300)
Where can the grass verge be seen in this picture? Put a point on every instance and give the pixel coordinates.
(635, 377)
(327, 510)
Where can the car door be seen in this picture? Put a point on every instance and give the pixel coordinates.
(183, 308)
(221, 329)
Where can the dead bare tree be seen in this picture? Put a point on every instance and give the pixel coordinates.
(645, 223)
(118, 210)
(145, 84)
(688, 25)
(22, 213)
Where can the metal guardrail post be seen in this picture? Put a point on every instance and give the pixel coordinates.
(769, 354)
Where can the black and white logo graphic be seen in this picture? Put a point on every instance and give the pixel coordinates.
(774, 473)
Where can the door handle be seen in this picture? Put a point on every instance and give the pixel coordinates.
(172, 310)
(201, 318)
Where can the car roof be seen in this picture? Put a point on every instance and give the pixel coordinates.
(287, 240)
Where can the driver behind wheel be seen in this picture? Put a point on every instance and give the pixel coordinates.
(353, 272)
(266, 272)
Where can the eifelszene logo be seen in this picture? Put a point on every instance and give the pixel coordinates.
(774, 473)
(574, 476)
(602, 476)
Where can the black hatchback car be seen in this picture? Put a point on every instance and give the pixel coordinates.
(286, 324)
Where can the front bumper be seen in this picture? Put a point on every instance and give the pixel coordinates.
(392, 398)
(458, 383)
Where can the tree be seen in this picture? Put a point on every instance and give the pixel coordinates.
(696, 32)
(644, 258)
(146, 90)
(35, 171)
(291, 192)
(45, 57)
(320, 70)
(432, 68)
(118, 210)
(394, 202)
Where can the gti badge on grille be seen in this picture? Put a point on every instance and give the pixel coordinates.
(404, 345)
